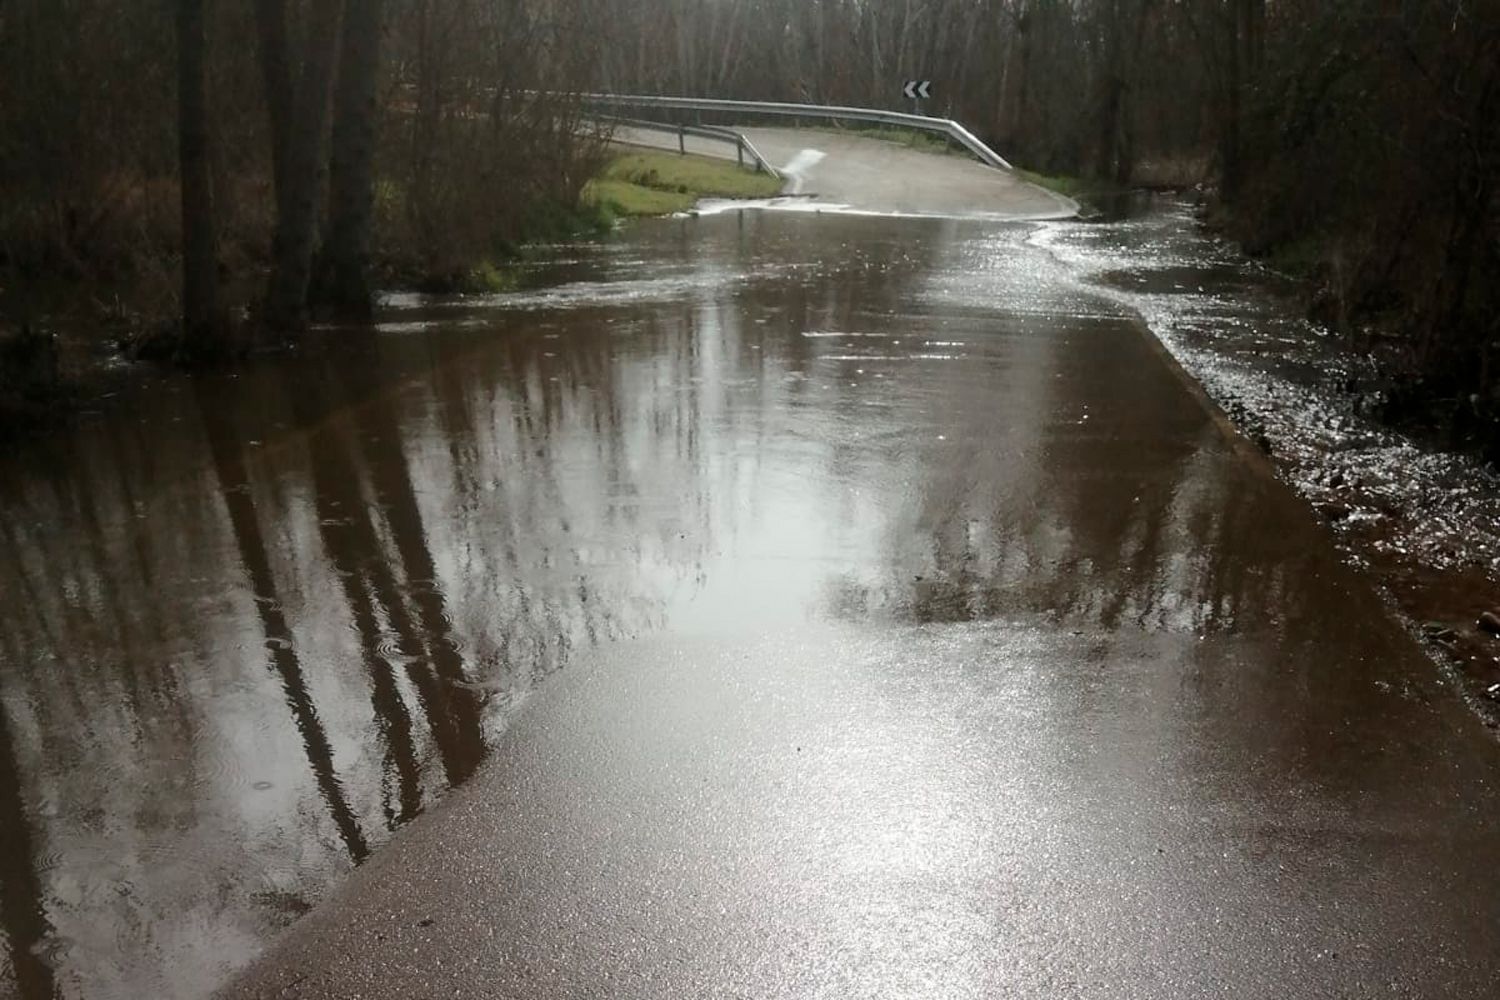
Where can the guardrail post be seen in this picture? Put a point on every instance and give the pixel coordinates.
(739, 151)
(682, 140)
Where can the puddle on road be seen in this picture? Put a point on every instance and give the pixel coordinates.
(251, 625)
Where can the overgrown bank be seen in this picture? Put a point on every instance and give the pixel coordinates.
(1371, 167)
(643, 183)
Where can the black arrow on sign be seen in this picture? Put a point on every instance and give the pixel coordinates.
(917, 89)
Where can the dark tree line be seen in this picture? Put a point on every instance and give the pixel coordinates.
(202, 156)
(1373, 144)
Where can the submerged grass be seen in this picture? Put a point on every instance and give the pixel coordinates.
(661, 183)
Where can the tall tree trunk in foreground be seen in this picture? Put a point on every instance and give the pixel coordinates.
(23, 917)
(297, 202)
(276, 73)
(199, 266)
(344, 280)
(1246, 26)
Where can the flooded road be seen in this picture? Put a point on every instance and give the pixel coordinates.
(1424, 522)
(251, 625)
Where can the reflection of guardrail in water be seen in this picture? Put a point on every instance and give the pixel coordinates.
(742, 146)
(894, 119)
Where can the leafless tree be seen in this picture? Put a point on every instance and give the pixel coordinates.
(199, 238)
(345, 283)
(303, 144)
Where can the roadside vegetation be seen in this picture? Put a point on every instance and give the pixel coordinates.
(922, 142)
(663, 183)
(1080, 189)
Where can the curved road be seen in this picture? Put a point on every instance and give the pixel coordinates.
(856, 173)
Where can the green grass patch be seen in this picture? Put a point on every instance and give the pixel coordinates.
(486, 276)
(922, 142)
(652, 183)
(627, 199)
(1096, 197)
(1072, 187)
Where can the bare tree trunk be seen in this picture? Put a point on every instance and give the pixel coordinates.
(1125, 145)
(1022, 44)
(1245, 53)
(1111, 92)
(1231, 167)
(23, 918)
(297, 216)
(199, 264)
(344, 280)
(276, 74)
(1253, 28)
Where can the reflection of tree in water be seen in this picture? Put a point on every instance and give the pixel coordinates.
(357, 475)
(1115, 523)
(108, 733)
(348, 537)
(551, 526)
(412, 552)
(1196, 586)
(375, 557)
(235, 488)
(23, 917)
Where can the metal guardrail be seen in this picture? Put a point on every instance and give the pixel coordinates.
(742, 145)
(943, 126)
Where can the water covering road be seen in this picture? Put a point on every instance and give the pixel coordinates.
(917, 631)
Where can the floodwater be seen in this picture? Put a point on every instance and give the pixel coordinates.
(1424, 522)
(251, 625)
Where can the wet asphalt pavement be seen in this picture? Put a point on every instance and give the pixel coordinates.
(1020, 676)
(806, 606)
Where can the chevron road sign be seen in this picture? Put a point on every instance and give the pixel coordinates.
(917, 89)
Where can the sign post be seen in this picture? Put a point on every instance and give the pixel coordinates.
(917, 91)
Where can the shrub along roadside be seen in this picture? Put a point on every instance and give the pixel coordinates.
(1081, 189)
(1372, 167)
(660, 183)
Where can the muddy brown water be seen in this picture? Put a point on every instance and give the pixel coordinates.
(1425, 523)
(250, 625)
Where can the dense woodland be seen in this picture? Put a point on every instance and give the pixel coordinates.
(245, 165)
(282, 146)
